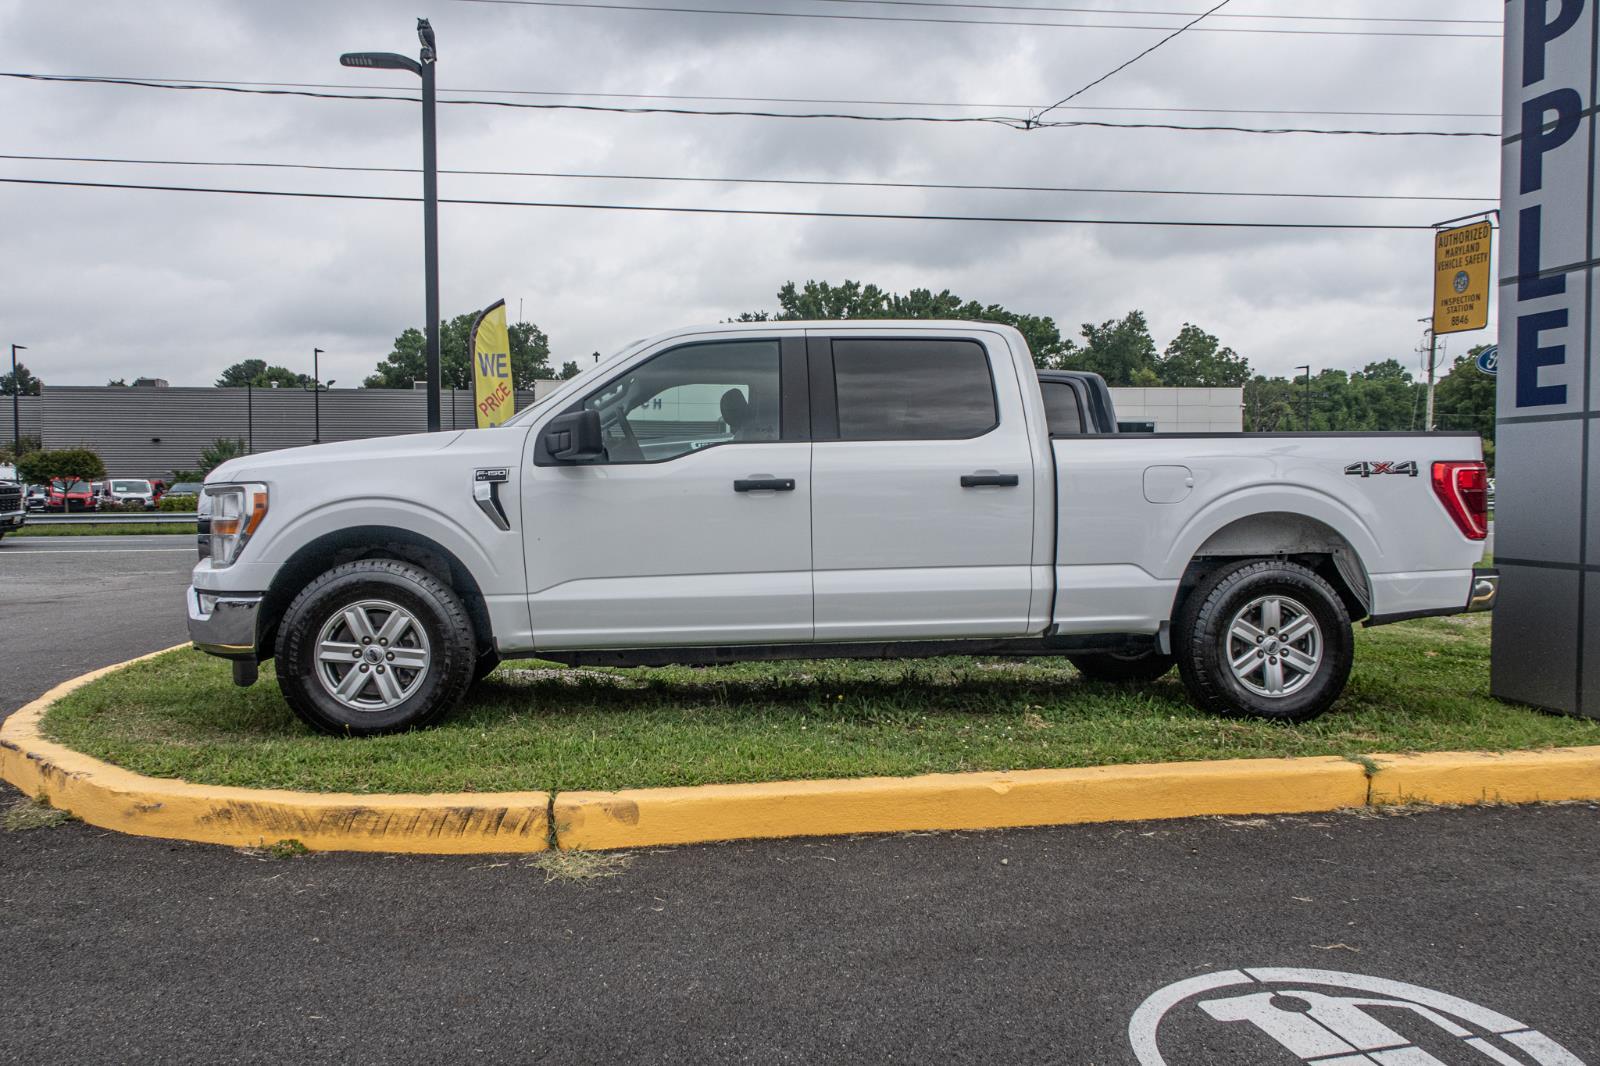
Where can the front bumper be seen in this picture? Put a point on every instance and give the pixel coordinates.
(13, 520)
(224, 623)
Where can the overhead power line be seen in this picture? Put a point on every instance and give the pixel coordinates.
(1119, 68)
(1012, 122)
(734, 211)
(806, 182)
(588, 5)
(117, 78)
(1176, 14)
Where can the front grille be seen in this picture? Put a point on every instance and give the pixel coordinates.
(10, 499)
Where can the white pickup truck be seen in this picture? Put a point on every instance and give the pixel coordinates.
(829, 489)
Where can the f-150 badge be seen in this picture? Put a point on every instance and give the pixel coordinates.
(1407, 468)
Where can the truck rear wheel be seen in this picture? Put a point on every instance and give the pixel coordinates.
(375, 646)
(1264, 638)
(1121, 668)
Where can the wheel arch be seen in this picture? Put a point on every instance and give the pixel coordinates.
(369, 542)
(1310, 541)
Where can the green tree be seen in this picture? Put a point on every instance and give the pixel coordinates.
(220, 451)
(10, 450)
(30, 384)
(405, 364)
(1120, 350)
(117, 383)
(569, 369)
(70, 463)
(1464, 398)
(1197, 359)
(256, 372)
(853, 299)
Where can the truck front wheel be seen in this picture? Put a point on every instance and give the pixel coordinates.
(375, 646)
(1264, 638)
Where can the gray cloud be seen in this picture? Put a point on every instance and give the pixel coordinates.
(117, 283)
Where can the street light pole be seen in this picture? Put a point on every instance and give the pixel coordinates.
(316, 396)
(423, 67)
(16, 404)
(1307, 369)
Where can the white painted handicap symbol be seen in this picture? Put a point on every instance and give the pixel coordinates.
(1328, 1018)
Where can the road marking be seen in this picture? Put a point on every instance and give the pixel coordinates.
(1338, 1028)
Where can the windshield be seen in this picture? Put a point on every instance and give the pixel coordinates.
(185, 488)
(71, 486)
(130, 486)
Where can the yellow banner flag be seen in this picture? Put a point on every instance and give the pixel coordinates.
(1461, 283)
(495, 395)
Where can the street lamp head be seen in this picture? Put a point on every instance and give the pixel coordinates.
(380, 61)
(430, 48)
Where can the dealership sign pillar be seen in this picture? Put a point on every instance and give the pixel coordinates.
(1547, 460)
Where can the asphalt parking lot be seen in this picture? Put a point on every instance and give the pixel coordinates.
(1018, 946)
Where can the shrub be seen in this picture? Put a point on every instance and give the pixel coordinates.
(44, 467)
(177, 503)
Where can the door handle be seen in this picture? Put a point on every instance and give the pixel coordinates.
(973, 481)
(764, 484)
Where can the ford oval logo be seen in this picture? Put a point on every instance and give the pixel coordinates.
(1489, 360)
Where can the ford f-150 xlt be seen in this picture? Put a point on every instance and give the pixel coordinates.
(829, 489)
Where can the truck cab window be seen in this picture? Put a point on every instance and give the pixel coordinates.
(691, 398)
(913, 389)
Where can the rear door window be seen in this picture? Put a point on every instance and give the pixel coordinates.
(1061, 411)
(913, 389)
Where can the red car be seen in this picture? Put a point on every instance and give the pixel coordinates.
(70, 496)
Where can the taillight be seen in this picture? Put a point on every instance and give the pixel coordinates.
(1463, 488)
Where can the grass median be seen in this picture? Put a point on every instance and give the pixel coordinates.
(1417, 686)
(102, 529)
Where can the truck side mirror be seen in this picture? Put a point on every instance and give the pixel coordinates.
(574, 438)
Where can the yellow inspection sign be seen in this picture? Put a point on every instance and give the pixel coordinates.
(495, 397)
(1461, 262)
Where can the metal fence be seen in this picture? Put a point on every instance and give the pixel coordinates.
(149, 432)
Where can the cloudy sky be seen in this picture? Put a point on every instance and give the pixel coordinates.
(103, 283)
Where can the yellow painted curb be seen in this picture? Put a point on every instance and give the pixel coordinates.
(1482, 777)
(113, 798)
(466, 823)
(639, 817)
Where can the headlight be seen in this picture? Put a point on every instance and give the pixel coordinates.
(229, 515)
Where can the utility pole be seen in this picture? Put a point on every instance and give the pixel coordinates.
(16, 404)
(1307, 369)
(1433, 339)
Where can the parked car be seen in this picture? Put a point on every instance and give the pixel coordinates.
(13, 511)
(67, 495)
(840, 489)
(130, 492)
(36, 497)
(185, 488)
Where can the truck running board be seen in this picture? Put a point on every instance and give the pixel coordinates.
(1130, 643)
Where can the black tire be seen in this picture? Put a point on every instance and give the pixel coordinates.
(450, 651)
(1202, 641)
(1121, 668)
(485, 665)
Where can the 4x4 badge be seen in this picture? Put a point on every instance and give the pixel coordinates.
(1406, 468)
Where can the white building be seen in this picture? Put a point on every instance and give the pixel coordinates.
(1182, 410)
